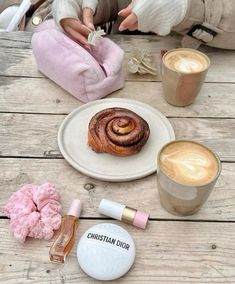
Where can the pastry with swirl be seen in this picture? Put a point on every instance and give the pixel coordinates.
(117, 131)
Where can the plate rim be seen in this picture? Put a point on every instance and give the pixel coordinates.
(103, 177)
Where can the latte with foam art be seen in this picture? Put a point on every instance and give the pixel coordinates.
(189, 163)
(186, 61)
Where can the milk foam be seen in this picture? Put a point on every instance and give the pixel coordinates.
(186, 61)
(188, 65)
(189, 163)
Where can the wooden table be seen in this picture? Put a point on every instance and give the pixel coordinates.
(196, 249)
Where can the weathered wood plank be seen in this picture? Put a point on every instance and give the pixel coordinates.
(40, 95)
(15, 40)
(140, 194)
(20, 62)
(152, 42)
(29, 132)
(35, 135)
(206, 250)
(126, 42)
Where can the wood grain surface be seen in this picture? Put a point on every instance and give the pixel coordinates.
(167, 252)
(172, 250)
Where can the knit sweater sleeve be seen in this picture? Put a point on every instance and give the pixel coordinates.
(159, 16)
(62, 9)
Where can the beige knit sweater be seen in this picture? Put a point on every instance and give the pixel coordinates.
(159, 16)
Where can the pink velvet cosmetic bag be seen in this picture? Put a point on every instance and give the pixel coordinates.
(87, 75)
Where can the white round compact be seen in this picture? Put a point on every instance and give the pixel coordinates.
(106, 251)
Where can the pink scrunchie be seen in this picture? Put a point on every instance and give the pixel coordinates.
(34, 211)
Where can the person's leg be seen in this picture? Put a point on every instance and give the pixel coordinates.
(121, 5)
(106, 14)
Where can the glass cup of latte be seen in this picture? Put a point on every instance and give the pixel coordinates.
(183, 74)
(187, 172)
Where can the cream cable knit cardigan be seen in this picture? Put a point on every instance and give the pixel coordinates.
(159, 16)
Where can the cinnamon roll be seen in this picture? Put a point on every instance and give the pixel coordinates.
(117, 131)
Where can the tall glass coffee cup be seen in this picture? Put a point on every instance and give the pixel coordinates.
(183, 74)
(187, 172)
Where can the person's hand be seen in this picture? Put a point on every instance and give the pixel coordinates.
(130, 22)
(156, 16)
(79, 30)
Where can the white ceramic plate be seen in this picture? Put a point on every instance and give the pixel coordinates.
(72, 140)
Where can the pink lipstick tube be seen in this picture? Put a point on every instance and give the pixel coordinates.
(123, 213)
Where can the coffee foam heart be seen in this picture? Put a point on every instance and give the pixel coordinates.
(189, 164)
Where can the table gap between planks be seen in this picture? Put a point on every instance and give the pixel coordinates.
(196, 249)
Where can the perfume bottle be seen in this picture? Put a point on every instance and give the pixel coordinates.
(65, 241)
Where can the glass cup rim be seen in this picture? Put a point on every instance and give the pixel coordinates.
(198, 143)
(186, 49)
